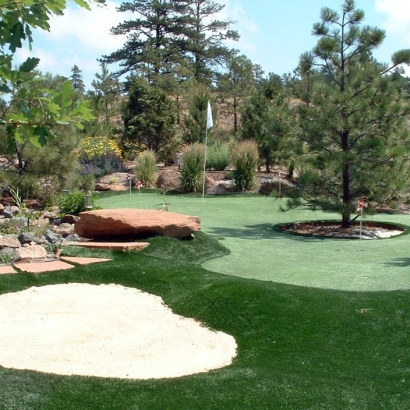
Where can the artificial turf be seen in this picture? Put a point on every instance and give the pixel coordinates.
(298, 347)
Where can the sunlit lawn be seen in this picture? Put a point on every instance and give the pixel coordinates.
(298, 347)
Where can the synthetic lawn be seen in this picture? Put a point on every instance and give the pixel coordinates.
(246, 225)
(298, 347)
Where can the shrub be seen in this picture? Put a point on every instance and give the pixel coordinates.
(244, 159)
(218, 156)
(192, 167)
(71, 203)
(100, 156)
(146, 169)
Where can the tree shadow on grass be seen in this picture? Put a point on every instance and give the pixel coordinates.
(257, 232)
(399, 263)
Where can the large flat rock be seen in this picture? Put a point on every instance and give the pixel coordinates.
(133, 223)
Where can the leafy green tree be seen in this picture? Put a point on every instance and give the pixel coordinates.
(30, 114)
(77, 79)
(149, 118)
(353, 122)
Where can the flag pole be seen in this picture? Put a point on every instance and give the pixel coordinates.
(204, 175)
(209, 124)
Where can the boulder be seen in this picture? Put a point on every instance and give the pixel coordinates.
(9, 242)
(134, 223)
(30, 252)
(274, 184)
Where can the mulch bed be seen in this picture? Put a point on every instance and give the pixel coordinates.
(370, 230)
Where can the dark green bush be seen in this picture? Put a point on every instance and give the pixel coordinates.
(192, 167)
(71, 203)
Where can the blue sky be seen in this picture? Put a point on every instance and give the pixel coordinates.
(274, 33)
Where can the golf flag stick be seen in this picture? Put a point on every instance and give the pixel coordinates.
(209, 124)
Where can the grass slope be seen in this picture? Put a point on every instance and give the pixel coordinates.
(299, 348)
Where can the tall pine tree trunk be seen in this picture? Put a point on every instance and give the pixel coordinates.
(347, 196)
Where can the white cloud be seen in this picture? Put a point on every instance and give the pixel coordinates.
(398, 15)
(89, 29)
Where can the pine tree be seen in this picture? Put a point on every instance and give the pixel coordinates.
(207, 41)
(105, 102)
(266, 119)
(168, 34)
(155, 39)
(77, 79)
(149, 118)
(236, 84)
(352, 123)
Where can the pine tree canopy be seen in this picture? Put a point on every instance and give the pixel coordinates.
(353, 119)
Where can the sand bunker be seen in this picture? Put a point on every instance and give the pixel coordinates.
(105, 331)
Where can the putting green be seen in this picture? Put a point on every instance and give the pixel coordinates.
(245, 226)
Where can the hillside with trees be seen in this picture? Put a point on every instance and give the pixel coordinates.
(338, 122)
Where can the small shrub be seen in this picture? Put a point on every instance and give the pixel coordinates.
(71, 203)
(244, 159)
(219, 156)
(146, 169)
(192, 167)
(13, 226)
(100, 156)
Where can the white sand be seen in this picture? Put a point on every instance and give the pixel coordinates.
(105, 331)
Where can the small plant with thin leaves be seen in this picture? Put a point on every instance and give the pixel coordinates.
(146, 169)
(218, 156)
(192, 167)
(244, 159)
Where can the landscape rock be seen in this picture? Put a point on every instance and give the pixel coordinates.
(274, 184)
(30, 252)
(169, 179)
(72, 238)
(9, 242)
(134, 223)
(7, 213)
(52, 237)
(26, 237)
(64, 229)
(70, 219)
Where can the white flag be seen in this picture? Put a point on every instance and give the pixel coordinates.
(209, 122)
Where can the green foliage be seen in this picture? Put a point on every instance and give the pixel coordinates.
(266, 118)
(149, 118)
(244, 159)
(77, 79)
(172, 39)
(192, 167)
(236, 85)
(146, 168)
(353, 123)
(194, 128)
(14, 226)
(71, 203)
(105, 103)
(218, 156)
(30, 113)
